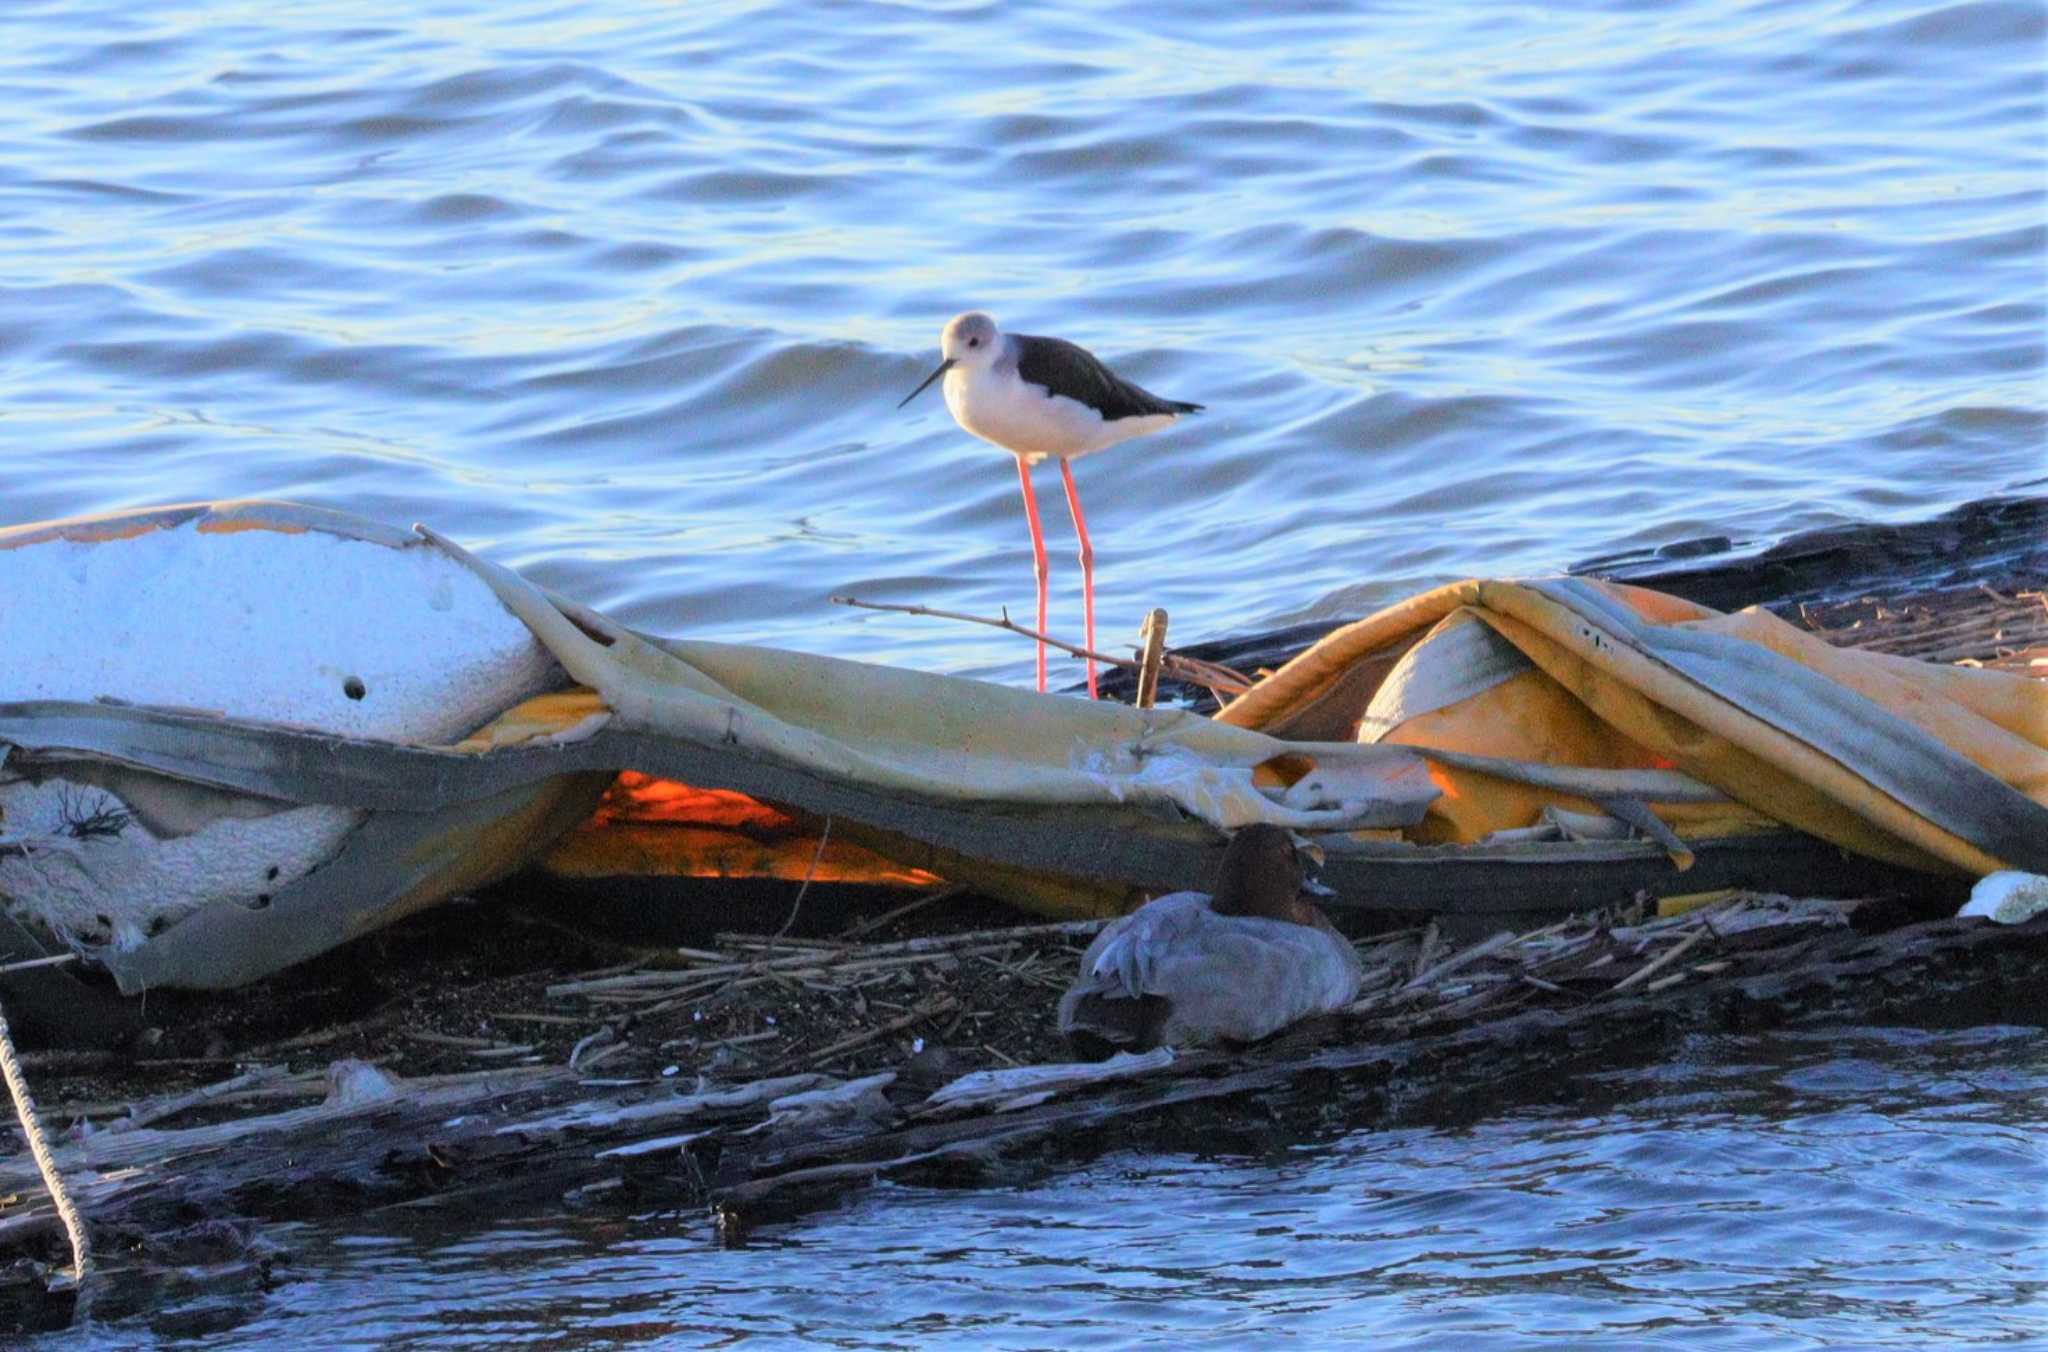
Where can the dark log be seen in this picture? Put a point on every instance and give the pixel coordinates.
(1945, 562)
(476, 1145)
(1999, 542)
(1994, 972)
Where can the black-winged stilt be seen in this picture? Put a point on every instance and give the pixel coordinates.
(1044, 399)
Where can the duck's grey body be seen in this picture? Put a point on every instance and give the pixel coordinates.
(1175, 973)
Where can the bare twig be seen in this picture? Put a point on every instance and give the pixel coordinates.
(1216, 677)
(602, 1055)
(875, 922)
(824, 838)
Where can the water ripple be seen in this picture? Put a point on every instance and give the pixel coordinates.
(1468, 289)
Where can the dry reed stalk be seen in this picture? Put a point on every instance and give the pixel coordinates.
(1431, 935)
(931, 1008)
(1569, 949)
(1669, 956)
(57, 960)
(450, 1039)
(931, 898)
(867, 957)
(602, 1055)
(316, 1038)
(1463, 958)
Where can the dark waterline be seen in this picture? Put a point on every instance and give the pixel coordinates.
(1825, 1188)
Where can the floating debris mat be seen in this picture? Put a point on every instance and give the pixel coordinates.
(890, 1094)
(235, 736)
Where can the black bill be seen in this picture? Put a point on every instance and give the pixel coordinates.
(944, 367)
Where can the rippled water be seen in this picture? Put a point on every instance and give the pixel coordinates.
(1825, 1189)
(625, 294)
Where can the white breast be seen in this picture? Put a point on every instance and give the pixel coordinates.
(1003, 409)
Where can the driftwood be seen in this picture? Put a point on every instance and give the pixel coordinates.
(1472, 1021)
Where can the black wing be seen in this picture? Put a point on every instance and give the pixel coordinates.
(1069, 369)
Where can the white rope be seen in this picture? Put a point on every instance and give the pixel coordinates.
(39, 1146)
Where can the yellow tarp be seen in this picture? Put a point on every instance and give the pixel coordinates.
(1930, 766)
(1445, 753)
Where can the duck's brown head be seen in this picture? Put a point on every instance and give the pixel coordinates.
(1262, 874)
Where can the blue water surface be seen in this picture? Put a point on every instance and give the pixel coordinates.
(625, 293)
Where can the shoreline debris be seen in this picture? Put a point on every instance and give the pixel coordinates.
(755, 1073)
(833, 1107)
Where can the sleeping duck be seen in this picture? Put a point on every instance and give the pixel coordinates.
(1239, 963)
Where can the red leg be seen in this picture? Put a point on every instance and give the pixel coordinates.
(1087, 569)
(1037, 557)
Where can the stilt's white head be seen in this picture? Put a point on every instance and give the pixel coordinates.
(969, 340)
